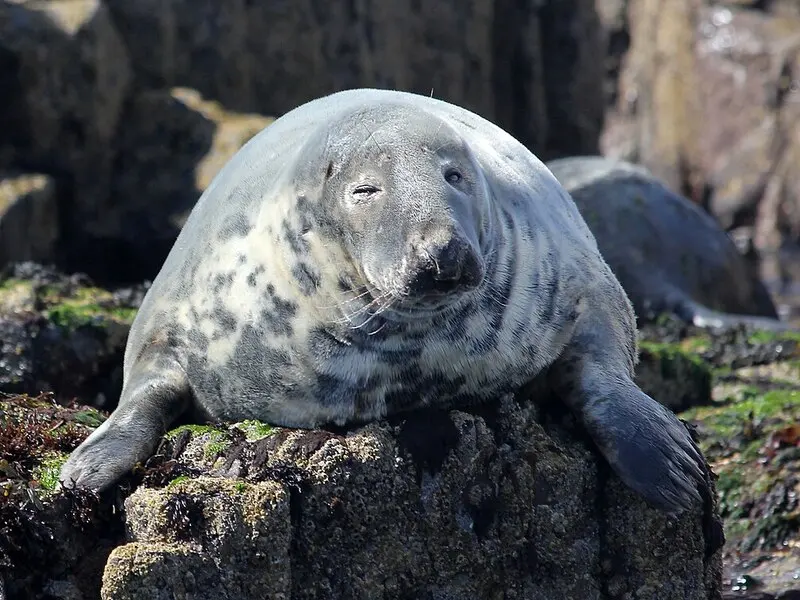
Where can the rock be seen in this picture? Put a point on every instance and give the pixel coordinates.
(171, 147)
(528, 65)
(52, 546)
(29, 224)
(201, 46)
(751, 435)
(61, 334)
(64, 74)
(572, 41)
(457, 505)
(657, 88)
(508, 499)
(749, 62)
(677, 379)
(244, 530)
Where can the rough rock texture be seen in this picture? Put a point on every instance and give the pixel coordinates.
(51, 546)
(750, 433)
(676, 379)
(506, 500)
(507, 503)
(29, 224)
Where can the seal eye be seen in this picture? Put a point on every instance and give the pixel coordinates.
(453, 176)
(365, 191)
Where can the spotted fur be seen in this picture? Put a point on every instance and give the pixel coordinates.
(372, 252)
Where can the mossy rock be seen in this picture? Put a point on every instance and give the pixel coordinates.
(36, 432)
(69, 307)
(675, 377)
(751, 437)
(62, 334)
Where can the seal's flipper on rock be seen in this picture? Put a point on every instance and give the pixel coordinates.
(155, 394)
(645, 444)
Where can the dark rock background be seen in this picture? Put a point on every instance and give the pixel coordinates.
(116, 114)
(89, 97)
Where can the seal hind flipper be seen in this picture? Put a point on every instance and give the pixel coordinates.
(155, 394)
(702, 316)
(649, 448)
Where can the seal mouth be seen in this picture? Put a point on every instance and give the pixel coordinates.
(399, 305)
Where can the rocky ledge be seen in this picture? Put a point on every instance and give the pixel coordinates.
(508, 499)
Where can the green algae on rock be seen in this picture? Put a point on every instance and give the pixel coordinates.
(255, 430)
(31, 429)
(751, 436)
(214, 439)
(46, 533)
(676, 378)
(62, 334)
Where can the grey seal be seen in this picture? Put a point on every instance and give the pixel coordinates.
(372, 252)
(669, 254)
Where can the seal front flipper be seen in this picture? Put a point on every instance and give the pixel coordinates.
(645, 444)
(155, 393)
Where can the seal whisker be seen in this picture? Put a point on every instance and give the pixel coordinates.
(378, 330)
(344, 301)
(381, 308)
(376, 301)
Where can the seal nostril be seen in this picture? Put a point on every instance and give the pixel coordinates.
(448, 261)
(446, 269)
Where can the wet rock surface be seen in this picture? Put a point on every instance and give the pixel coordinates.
(51, 546)
(750, 435)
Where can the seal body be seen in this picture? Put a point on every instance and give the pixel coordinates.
(372, 252)
(669, 255)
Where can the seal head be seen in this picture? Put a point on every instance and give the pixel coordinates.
(412, 216)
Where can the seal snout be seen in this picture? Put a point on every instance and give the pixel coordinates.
(446, 268)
